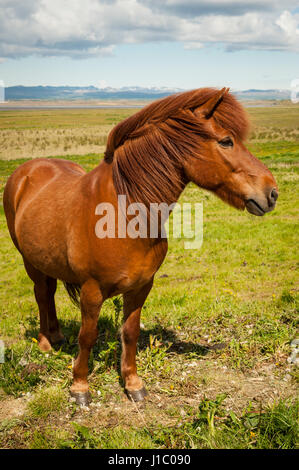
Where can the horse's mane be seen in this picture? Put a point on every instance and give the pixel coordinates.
(146, 149)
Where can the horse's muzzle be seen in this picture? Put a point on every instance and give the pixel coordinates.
(258, 205)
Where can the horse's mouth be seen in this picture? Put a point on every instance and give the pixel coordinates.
(254, 208)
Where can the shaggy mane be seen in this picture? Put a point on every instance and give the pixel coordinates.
(147, 149)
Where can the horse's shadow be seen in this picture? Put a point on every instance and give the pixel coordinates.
(175, 344)
(108, 332)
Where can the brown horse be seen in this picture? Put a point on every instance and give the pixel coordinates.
(50, 209)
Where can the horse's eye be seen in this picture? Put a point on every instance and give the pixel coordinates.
(227, 142)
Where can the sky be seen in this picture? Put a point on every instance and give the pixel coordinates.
(150, 43)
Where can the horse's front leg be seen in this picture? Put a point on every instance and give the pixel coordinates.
(133, 302)
(91, 300)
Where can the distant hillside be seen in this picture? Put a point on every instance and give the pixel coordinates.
(263, 94)
(14, 93)
(84, 93)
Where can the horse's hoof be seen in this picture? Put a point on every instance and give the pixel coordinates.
(82, 398)
(136, 395)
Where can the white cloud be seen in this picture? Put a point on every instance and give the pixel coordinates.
(102, 84)
(93, 28)
(288, 24)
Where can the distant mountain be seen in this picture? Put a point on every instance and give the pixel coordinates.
(84, 93)
(263, 94)
(93, 93)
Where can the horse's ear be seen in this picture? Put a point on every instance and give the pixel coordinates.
(209, 106)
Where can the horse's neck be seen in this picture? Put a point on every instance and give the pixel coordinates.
(104, 178)
(102, 189)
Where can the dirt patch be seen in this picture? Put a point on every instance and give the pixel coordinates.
(171, 402)
(12, 408)
(166, 406)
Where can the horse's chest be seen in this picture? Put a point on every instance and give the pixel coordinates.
(137, 271)
(136, 279)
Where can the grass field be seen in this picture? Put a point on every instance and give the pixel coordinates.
(216, 328)
(40, 133)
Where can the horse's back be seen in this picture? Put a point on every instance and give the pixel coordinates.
(32, 176)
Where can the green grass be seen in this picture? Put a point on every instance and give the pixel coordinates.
(209, 426)
(60, 118)
(215, 337)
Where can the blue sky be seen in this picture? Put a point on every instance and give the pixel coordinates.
(248, 44)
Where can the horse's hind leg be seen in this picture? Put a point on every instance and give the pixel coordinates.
(56, 336)
(44, 290)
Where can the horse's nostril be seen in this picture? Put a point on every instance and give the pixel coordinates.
(274, 195)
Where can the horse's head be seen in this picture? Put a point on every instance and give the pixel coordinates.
(224, 165)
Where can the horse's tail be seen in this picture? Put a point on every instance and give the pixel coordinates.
(73, 291)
